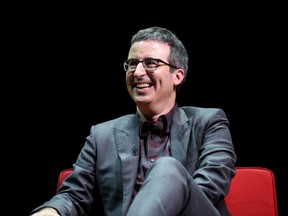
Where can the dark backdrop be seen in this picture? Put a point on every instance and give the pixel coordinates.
(65, 74)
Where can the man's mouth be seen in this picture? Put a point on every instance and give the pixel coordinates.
(143, 85)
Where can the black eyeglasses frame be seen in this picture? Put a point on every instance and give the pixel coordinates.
(126, 64)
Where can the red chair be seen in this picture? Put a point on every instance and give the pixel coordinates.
(62, 175)
(252, 192)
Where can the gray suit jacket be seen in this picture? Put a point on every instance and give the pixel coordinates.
(200, 139)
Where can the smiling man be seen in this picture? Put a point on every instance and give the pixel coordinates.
(161, 160)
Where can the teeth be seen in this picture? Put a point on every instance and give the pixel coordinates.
(144, 85)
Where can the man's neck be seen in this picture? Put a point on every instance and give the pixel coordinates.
(152, 115)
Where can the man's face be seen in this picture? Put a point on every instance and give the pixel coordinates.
(155, 88)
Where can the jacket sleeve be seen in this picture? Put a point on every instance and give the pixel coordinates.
(76, 193)
(215, 168)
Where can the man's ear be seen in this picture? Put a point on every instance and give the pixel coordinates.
(179, 76)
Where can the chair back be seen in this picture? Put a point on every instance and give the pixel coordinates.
(252, 193)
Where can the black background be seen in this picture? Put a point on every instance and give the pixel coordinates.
(63, 72)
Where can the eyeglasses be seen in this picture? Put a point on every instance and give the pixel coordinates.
(149, 64)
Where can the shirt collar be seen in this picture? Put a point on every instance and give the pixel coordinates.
(161, 127)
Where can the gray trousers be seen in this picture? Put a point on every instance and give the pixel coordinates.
(169, 190)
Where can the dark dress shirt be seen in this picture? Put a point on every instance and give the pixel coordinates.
(154, 143)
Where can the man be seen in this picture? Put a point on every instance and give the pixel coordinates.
(162, 160)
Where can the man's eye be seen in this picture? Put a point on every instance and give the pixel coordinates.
(133, 63)
(151, 63)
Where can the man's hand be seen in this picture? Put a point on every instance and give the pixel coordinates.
(46, 212)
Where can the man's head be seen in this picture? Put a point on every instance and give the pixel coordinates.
(156, 67)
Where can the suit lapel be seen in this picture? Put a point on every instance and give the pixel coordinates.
(127, 141)
(179, 137)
